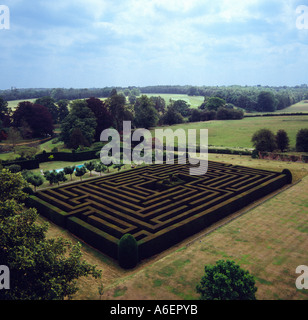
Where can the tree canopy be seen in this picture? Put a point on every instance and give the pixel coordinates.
(80, 117)
(226, 281)
(41, 268)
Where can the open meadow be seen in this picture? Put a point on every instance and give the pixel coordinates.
(238, 133)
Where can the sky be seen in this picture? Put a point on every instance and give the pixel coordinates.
(106, 43)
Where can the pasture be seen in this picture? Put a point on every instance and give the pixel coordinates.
(238, 133)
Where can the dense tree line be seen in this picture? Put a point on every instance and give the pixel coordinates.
(245, 97)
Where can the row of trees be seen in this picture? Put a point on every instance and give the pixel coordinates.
(56, 177)
(265, 140)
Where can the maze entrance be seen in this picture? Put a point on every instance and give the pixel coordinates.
(102, 210)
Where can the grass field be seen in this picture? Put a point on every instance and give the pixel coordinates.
(14, 103)
(193, 101)
(270, 241)
(298, 107)
(238, 133)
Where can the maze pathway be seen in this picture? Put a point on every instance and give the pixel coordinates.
(102, 210)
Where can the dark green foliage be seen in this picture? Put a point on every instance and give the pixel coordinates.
(214, 103)
(172, 116)
(28, 190)
(302, 140)
(282, 140)
(146, 115)
(266, 102)
(14, 168)
(41, 268)
(80, 172)
(128, 252)
(80, 118)
(69, 170)
(226, 281)
(288, 173)
(255, 154)
(264, 140)
(90, 166)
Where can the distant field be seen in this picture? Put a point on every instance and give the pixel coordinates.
(193, 101)
(238, 133)
(298, 107)
(13, 104)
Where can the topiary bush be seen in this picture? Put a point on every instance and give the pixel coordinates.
(288, 173)
(128, 252)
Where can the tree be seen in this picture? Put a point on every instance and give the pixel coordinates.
(226, 281)
(100, 167)
(69, 170)
(172, 116)
(49, 103)
(51, 176)
(77, 139)
(4, 112)
(266, 102)
(41, 268)
(11, 185)
(159, 104)
(146, 115)
(264, 140)
(282, 140)
(128, 252)
(214, 103)
(35, 179)
(80, 117)
(302, 140)
(90, 166)
(13, 137)
(80, 172)
(37, 117)
(182, 107)
(60, 177)
(102, 115)
(62, 109)
(116, 106)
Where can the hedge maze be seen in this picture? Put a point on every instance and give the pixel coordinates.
(100, 211)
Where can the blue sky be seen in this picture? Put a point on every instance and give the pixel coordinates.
(99, 43)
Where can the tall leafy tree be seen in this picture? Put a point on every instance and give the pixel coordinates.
(266, 102)
(282, 140)
(302, 140)
(146, 115)
(116, 106)
(49, 103)
(214, 103)
(102, 115)
(80, 117)
(37, 117)
(264, 140)
(62, 109)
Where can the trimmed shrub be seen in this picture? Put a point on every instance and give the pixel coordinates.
(28, 190)
(14, 168)
(128, 252)
(288, 173)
